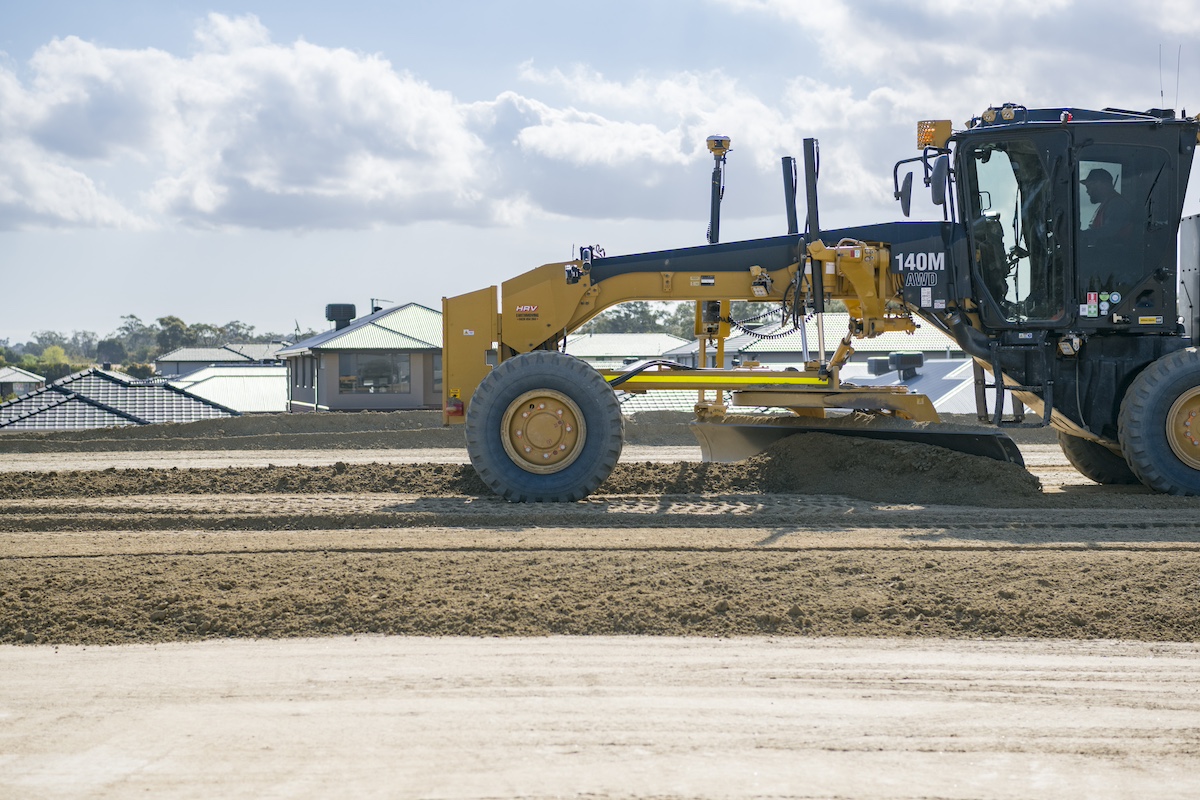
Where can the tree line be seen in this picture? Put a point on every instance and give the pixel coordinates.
(133, 345)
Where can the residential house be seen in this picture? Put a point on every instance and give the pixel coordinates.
(14, 380)
(183, 360)
(97, 398)
(388, 360)
(615, 350)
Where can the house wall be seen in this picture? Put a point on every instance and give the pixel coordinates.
(324, 391)
(19, 388)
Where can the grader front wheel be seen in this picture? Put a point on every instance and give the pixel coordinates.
(1159, 424)
(1095, 461)
(544, 427)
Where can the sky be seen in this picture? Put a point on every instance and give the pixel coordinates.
(255, 161)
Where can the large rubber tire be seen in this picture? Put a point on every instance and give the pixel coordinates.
(1095, 461)
(1159, 424)
(544, 427)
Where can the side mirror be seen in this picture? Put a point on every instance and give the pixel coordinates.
(938, 181)
(905, 195)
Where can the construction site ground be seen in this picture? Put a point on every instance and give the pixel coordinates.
(829, 613)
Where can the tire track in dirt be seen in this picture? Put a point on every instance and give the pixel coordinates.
(883, 539)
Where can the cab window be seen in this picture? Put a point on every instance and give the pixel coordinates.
(1018, 234)
(1125, 226)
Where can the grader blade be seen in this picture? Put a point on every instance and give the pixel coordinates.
(739, 438)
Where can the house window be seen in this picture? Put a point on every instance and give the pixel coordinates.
(302, 371)
(437, 373)
(371, 373)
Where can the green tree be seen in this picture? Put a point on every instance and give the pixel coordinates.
(81, 346)
(136, 336)
(111, 351)
(638, 316)
(234, 331)
(54, 354)
(46, 339)
(139, 370)
(204, 335)
(172, 334)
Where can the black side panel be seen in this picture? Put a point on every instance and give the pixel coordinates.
(771, 254)
(1088, 389)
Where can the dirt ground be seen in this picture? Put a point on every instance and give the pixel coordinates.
(597, 717)
(821, 536)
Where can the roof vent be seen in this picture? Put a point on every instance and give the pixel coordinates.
(340, 314)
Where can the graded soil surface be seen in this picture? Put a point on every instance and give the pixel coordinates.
(821, 535)
(598, 717)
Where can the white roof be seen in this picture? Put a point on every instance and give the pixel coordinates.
(249, 389)
(18, 375)
(621, 345)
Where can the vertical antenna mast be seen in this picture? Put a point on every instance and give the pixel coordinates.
(1178, 58)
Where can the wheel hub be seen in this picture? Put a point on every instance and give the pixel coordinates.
(543, 431)
(1183, 428)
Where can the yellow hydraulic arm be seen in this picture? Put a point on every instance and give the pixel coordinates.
(539, 309)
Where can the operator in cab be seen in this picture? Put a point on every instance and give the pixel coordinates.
(1113, 219)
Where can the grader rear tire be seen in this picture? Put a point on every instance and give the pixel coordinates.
(544, 427)
(1095, 461)
(1159, 424)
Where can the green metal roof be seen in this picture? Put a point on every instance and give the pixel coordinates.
(408, 327)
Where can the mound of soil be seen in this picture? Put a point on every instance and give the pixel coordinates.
(822, 463)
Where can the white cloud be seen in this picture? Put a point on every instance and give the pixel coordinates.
(243, 132)
(251, 133)
(36, 192)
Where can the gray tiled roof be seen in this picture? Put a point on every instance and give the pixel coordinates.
(251, 351)
(97, 398)
(257, 351)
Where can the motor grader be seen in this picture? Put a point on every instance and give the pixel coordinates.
(1055, 267)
